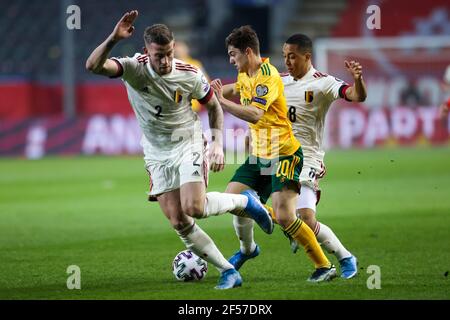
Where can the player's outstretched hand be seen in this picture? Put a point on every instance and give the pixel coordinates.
(355, 69)
(216, 157)
(216, 84)
(124, 28)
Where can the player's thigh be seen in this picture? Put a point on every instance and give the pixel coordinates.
(163, 171)
(244, 178)
(287, 171)
(286, 187)
(171, 207)
(193, 172)
(307, 198)
(250, 176)
(309, 177)
(309, 192)
(236, 187)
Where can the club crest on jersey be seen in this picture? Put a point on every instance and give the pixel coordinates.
(261, 90)
(309, 96)
(177, 96)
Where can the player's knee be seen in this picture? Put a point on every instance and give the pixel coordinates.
(193, 208)
(309, 219)
(284, 219)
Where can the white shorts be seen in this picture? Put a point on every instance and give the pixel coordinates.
(309, 181)
(186, 162)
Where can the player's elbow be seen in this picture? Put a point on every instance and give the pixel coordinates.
(91, 67)
(362, 98)
(357, 98)
(253, 120)
(255, 116)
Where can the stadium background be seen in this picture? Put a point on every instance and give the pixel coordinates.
(386, 194)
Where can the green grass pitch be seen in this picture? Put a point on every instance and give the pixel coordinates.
(391, 208)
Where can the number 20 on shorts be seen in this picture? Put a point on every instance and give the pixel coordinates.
(286, 167)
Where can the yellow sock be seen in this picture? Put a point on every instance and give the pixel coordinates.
(305, 236)
(272, 213)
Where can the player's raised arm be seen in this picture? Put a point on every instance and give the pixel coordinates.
(358, 91)
(98, 61)
(250, 113)
(228, 90)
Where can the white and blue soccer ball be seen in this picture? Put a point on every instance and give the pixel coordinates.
(187, 266)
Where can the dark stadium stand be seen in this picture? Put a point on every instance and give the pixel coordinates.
(31, 53)
(33, 31)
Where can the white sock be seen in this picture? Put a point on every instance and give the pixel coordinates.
(217, 203)
(328, 240)
(244, 231)
(202, 245)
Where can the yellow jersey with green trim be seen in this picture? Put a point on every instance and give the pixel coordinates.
(272, 135)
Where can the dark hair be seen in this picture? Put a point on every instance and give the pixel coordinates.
(302, 41)
(242, 38)
(158, 33)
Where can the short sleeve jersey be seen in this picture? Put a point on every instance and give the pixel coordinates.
(162, 103)
(311, 96)
(272, 135)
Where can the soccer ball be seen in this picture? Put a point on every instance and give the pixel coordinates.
(187, 266)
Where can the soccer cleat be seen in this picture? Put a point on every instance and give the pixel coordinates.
(257, 212)
(238, 259)
(349, 267)
(293, 243)
(229, 279)
(323, 274)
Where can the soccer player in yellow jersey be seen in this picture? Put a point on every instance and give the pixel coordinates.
(274, 167)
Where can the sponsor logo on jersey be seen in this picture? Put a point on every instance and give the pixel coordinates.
(309, 96)
(260, 100)
(261, 90)
(196, 173)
